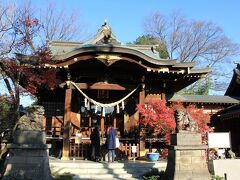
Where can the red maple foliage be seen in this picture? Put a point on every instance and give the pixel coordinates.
(32, 75)
(160, 118)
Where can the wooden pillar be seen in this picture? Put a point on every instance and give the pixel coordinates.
(102, 126)
(163, 94)
(142, 138)
(142, 97)
(67, 123)
(90, 122)
(89, 125)
(163, 91)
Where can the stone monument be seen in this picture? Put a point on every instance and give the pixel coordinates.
(187, 154)
(28, 154)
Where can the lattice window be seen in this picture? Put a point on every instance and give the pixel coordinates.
(53, 108)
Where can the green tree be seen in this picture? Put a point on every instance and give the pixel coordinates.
(151, 40)
(201, 87)
(5, 112)
(5, 106)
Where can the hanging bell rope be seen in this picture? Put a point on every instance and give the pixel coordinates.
(102, 104)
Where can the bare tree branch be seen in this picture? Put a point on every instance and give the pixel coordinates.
(190, 40)
(57, 25)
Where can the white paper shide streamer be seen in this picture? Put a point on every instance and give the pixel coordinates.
(88, 100)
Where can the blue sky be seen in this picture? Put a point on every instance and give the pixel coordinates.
(126, 16)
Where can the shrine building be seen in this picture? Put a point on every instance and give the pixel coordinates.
(102, 82)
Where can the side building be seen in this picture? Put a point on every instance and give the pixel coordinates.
(228, 119)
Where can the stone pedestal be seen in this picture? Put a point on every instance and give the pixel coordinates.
(29, 159)
(186, 158)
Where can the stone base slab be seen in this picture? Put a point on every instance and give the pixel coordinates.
(26, 162)
(187, 158)
(186, 138)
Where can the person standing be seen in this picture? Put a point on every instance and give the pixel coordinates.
(95, 144)
(111, 143)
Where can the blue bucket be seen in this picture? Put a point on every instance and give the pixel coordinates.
(153, 156)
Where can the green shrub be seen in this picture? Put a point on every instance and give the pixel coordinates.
(217, 177)
(64, 176)
(154, 174)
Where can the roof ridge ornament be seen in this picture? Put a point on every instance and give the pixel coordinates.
(104, 35)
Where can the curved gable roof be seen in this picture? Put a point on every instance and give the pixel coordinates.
(116, 49)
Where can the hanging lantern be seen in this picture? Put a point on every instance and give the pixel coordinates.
(118, 109)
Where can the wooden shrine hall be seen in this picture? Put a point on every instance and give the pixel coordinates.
(102, 82)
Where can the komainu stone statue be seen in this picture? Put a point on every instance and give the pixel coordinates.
(184, 122)
(186, 153)
(28, 129)
(32, 120)
(28, 154)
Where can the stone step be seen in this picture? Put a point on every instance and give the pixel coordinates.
(90, 171)
(104, 176)
(101, 171)
(90, 164)
(82, 169)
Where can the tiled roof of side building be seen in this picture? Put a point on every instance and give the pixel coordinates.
(203, 99)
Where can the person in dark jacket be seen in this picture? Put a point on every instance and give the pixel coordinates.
(111, 143)
(95, 144)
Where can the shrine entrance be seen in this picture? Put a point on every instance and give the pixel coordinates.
(87, 113)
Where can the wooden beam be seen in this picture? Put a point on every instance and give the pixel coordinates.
(103, 86)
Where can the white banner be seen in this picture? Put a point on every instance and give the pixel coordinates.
(219, 140)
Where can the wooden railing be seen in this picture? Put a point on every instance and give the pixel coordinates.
(126, 150)
(82, 150)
